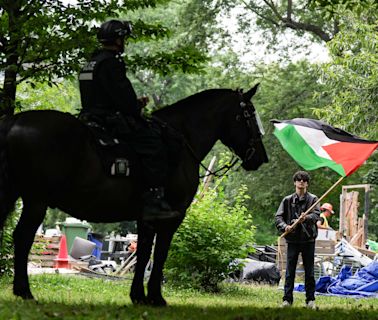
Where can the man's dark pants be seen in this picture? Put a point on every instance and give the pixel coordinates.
(308, 252)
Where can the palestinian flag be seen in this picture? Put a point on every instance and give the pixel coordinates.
(314, 144)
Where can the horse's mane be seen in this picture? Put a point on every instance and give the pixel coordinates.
(191, 102)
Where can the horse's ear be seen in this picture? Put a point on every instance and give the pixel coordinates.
(250, 93)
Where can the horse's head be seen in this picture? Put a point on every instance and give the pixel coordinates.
(243, 130)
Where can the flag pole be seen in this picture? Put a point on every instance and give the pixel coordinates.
(313, 206)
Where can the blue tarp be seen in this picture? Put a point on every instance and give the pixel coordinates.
(364, 283)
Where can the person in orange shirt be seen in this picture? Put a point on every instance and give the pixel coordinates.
(326, 212)
(132, 246)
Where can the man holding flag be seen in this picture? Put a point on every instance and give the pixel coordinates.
(314, 144)
(300, 240)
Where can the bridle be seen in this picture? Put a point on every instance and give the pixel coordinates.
(253, 139)
(217, 173)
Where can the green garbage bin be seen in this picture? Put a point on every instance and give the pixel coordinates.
(72, 229)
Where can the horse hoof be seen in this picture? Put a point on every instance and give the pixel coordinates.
(24, 295)
(156, 302)
(139, 301)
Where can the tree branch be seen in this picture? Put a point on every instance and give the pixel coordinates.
(259, 14)
(316, 30)
(272, 7)
(278, 20)
(289, 9)
(34, 70)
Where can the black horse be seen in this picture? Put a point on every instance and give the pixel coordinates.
(49, 160)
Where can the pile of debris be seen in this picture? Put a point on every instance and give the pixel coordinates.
(44, 251)
(51, 254)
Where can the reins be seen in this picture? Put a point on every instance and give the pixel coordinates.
(234, 159)
(215, 173)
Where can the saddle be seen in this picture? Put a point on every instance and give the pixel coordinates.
(117, 157)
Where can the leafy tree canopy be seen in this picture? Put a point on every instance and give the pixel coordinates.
(46, 40)
(277, 25)
(332, 6)
(351, 77)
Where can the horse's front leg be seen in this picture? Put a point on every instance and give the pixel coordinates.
(162, 244)
(23, 237)
(145, 239)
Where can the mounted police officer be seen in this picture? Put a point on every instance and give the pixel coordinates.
(106, 93)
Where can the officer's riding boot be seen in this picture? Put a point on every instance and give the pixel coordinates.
(155, 207)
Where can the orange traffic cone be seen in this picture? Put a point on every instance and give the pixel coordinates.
(61, 261)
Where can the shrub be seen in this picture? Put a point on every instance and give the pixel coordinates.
(213, 234)
(6, 243)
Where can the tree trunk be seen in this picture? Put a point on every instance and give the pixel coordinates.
(8, 95)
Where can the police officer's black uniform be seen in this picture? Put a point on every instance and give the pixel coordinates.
(104, 87)
(105, 91)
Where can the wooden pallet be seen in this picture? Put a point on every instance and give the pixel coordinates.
(324, 250)
(44, 251)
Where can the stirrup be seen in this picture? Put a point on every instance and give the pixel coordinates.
(162, 215)
(158, 210)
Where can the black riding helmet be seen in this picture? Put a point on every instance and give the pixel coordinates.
(113, 29)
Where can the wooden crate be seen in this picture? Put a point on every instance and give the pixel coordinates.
(324, 250)
(44, 251)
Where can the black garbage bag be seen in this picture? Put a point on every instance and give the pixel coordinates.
(260, 272)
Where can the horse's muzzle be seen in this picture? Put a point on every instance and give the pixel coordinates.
(255, 162)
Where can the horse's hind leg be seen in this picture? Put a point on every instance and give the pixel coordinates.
(145, 240)
(23, 237)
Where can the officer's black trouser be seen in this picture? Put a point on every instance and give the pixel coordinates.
(146, 141)
(307, 249)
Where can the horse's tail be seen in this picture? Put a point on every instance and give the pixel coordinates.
(7, 193)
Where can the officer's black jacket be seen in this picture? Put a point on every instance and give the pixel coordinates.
(104, 86)
(291, 208)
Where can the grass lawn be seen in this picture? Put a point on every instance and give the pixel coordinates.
(74, 297)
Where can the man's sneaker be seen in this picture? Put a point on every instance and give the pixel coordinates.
(311, 305)
(285, 304)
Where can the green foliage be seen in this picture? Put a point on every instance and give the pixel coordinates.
(53, 216)
(43, 41)
(371, 177)
(199, 23)
(6, 251)
(52, 36)
(186, 59)
(6, 245)
(62, 96)
(286, 92)
(351, 82)
(351, 77)
(213, 234)
(279, 26)
(334, 6)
